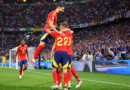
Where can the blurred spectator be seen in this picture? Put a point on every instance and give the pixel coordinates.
(23, 16)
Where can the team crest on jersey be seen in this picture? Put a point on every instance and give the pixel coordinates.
(52, 18)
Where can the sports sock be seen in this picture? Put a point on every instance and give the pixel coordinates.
(20, 71)
(65, 79)
(24, 69)
(2, 65)
(5, 65)
(37, 51)
(60, 77)
(75, 74)
(54, 73)
(69, 76)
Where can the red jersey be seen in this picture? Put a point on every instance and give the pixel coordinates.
(61, 40)
(22, 52)
(52, 16)
(70, 41)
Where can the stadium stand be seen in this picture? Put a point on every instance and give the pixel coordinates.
(110, 40)
(20, 16)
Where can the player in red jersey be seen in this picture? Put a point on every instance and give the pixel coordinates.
(71, 70)
(50, 24)
(60, 54)
(22, 52)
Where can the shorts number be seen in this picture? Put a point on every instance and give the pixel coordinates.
(60, 40)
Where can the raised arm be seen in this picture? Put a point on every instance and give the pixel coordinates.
(53, 26)
(53, 49)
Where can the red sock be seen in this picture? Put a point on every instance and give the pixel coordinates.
(37, 51)
(24, 69)
(20, 71)
(60, 77)
(54, 73)
(65, 79)
(69, 76)
(75, 74)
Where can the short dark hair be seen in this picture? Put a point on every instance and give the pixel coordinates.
(65, 24)
(60, 5)
(22, 39)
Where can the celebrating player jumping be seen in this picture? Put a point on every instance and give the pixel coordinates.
(22, 52)
(50, 24)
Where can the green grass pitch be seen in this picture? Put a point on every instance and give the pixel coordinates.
(42, 80)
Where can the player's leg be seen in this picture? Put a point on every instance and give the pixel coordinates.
(2, 65)
(65, 62)
(25, 66)
(69, 71)
(65, 78)
(55, 65)
(21, 69)
(60, 76)
(76, 76)
(43, 41)
(5, 65)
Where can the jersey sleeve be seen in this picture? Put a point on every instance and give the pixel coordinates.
(17, 50)
(52, 16)
(54, 33)
(27, 48)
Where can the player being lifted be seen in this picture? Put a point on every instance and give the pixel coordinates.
(4, 61)
(71, 70)
(60, 55)
(51, 23)
(22, 52)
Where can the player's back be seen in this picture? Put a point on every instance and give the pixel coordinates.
(62, 42)
(69, 48)
(52, 16)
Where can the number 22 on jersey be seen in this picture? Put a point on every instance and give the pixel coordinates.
(61, 43)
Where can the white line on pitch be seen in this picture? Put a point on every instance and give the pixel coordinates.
(86, 79)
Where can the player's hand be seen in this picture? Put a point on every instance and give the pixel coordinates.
(51, 55)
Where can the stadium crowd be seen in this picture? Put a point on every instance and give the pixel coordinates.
(20, 16)
(111, 42)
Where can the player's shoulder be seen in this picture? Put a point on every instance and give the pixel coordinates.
(53, 13)
(26, 46)
(19, 46)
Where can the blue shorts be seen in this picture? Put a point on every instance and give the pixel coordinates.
(23, 62)
(44, 37)
(60, 57)
(70, 60)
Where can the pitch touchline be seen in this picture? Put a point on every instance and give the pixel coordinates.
(86, 79)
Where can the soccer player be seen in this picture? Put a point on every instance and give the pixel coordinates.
(60, 55)
(50, 24)
(4, 61)
(22, 52)
(71, 70)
